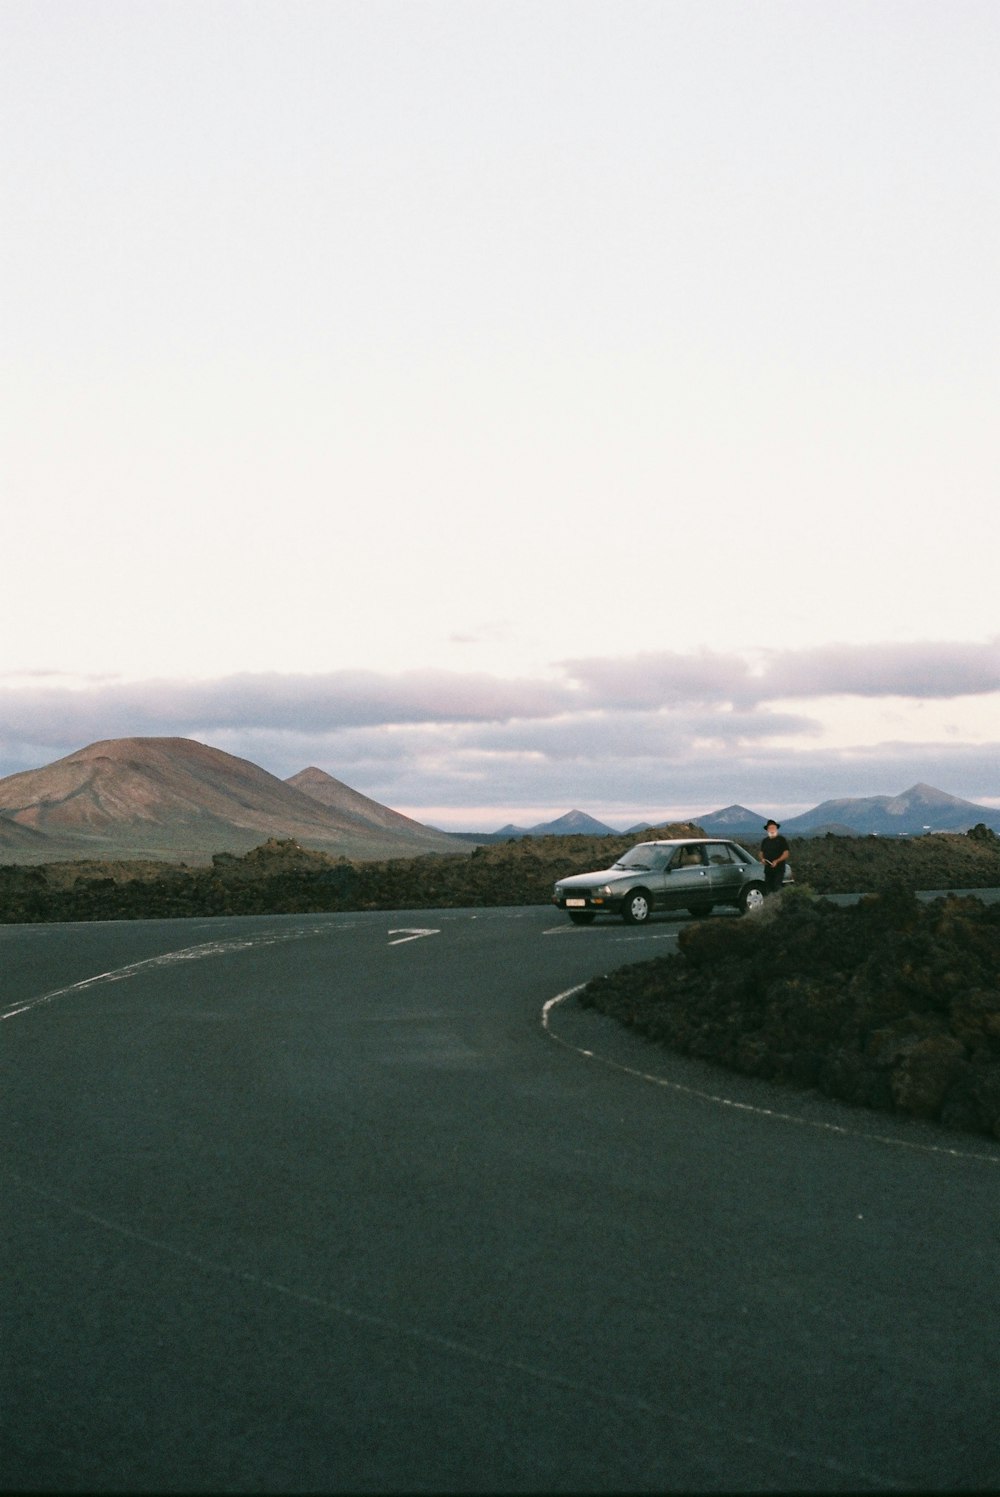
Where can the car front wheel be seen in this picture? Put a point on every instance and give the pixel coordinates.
(637, 907)
(752, 898)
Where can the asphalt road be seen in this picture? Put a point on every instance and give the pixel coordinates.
(349, 1203)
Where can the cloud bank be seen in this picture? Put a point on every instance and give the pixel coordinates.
(916, 671)
(644, 732)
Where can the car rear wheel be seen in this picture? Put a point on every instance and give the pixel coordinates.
(752, 898)
(637, 907)
(581, 917)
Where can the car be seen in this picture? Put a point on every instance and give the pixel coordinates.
(693, 874)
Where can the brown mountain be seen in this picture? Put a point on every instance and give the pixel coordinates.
(176, 799)
(353, 808)
(16, 839)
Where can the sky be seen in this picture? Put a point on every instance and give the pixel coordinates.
(507, 406)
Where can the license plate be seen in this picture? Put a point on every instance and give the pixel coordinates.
(575, 904)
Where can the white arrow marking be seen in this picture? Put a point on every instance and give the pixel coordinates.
(406, 934)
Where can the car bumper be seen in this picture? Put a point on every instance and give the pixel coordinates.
(588, 904)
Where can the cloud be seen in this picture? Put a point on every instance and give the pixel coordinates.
(641, 733)
(660, 679)
(916, 670)
(622, 770)
(920, 670)
(317, 703)
(762, 777)
(35, 710)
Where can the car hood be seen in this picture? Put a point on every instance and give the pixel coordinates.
(593, 880)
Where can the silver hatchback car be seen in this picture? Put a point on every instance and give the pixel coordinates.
(695, 875)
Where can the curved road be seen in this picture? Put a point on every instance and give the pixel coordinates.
(349, 1203)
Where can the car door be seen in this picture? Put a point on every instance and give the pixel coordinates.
(687, 882)
(725, 872)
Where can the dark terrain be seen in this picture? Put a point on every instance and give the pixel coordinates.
(891, 1004)
(282, 877)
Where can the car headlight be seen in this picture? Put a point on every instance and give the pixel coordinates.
(604, 892)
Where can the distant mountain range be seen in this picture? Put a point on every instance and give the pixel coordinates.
(578, 823)
(178, 800)
(919, 809)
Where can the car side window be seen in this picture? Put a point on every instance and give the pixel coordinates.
(720, 854)
(690, 857)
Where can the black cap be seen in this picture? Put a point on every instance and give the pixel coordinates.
(772, 822)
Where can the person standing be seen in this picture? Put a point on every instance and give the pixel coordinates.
(774, 852)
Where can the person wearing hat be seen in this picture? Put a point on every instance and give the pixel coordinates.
(774, 852)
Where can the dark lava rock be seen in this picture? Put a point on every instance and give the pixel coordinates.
(889, 1004)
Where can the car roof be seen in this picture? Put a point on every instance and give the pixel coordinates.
(679, 841)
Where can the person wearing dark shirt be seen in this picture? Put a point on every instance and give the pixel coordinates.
(774, 852)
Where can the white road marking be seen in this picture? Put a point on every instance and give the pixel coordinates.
(405, 933)
(646, 935)
(165, 959)
(761, 1112)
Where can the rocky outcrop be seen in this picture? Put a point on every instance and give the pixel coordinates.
(889, 1004)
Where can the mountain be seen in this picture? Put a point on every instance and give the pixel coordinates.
(15, 838)
(733, 821)
(573, 824)
(175, 799)
(920, 809)
(354, 809)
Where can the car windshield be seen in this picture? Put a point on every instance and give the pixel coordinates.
(641, 859)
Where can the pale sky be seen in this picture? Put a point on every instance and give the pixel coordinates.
(506, 406)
